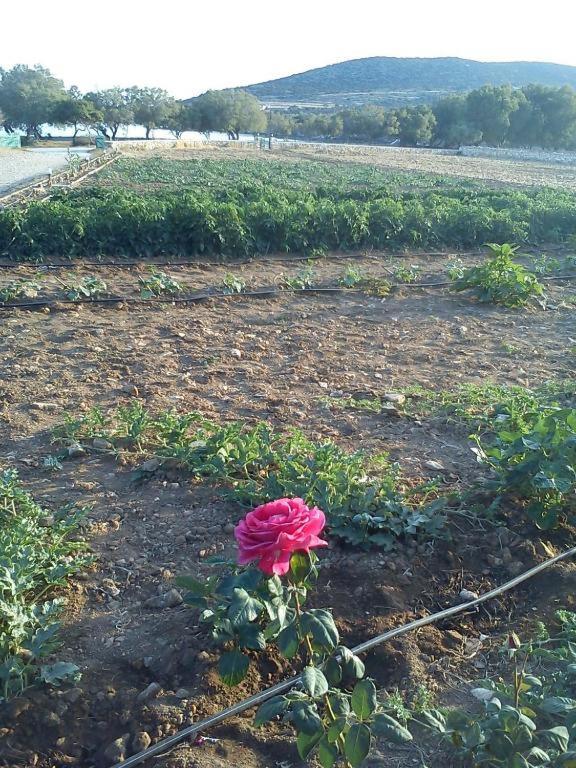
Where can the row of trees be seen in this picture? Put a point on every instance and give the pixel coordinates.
(31, 97)
(535, 115)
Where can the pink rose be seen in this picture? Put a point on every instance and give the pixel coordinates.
(273, 531)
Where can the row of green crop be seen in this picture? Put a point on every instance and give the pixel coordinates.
(95, 222)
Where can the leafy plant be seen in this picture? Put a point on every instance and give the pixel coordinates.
(455, 269)
(157, 284)
(536, 462)
(404, 274)
(360, 494)
(528, 718)
(36, 558)
(351, 277)
(500, 280)
(233, 284)
(88, 287)
(305, 278)
(20, 289)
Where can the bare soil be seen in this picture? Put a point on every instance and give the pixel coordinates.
(275, 359)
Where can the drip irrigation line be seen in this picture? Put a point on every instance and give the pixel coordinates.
(199, 297)
(258, 698)
(222, 263)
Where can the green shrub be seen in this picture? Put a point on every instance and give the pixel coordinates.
(500, 280)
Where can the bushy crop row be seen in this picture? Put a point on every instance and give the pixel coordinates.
(95, 221)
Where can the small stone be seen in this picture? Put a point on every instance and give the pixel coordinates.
(101, 445)
(466, 596)
(434, 465)
(47, 521)
(129, 389)
(182, 693)
(151, 692)
(515, 568)
(151, 465)
(72, 695)
(44, 406)
(116, 751)
(323, 384)
(18, 706)
(203, 656)
(154, 602)
(75, 450)
(110, 587)
(395, 397)
(229, 528)
(141, 741)
(236, 353)
(172, 598)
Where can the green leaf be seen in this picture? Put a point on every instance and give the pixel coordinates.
(250, 636)
(518, 761)
(433, 719)
(557, 705)
(270, 709)
(305, 717)
(305, 742)
(557, 737)
(314, 682)
(327, 753)
(288, 641)
(357, 744)
(300, 566)
(333, 671)
(339, 703)
(336, 728)
(243, 607)
(60, 672)
(233, 667)
(352, 666)
(364, 699)
(390, 729)
(196, 587)
(319, 624)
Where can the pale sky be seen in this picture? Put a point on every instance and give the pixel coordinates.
(189, 46)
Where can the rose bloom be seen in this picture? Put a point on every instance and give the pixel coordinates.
(272, 532)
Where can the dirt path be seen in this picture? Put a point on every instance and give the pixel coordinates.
(18, 166)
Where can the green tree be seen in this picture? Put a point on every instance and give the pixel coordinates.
(152, 107)
(453, 124)
(280, 123)
(230, 111)
(76, 111)
(547, 118)
(490, 109)
(28, 97)
(115, 107)
(416, 125)
(182, 118)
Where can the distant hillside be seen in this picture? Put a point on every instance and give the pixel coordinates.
(401, 80)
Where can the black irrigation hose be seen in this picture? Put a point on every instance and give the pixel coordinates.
(70, 264)
(253, 701)
(198, 297)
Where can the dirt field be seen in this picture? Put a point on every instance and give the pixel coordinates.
(278, 360)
